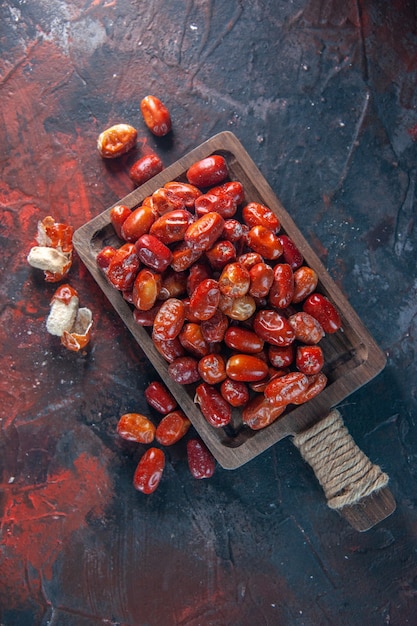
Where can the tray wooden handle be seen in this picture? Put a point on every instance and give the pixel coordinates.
(353, 485)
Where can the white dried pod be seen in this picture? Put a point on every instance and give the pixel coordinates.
(48, 259)
(63, 312)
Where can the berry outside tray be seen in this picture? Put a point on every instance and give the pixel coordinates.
(351, 355)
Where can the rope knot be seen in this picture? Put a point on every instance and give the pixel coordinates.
(342, 469)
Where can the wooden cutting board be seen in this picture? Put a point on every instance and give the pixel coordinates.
(352, 357)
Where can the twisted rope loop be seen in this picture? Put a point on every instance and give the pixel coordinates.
(342, 469)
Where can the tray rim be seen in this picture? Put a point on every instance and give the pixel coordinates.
(261, 440)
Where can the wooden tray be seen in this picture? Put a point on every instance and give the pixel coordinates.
(352, 356)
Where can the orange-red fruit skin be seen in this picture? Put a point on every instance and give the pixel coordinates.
(145, 168)
(136, 427)
(149, 471)
(208, 172)
(156, 116)
(200, 460)
(159, 397)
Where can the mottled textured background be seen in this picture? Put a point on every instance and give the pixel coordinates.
(322, 94)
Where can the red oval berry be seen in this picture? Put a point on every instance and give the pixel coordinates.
(149, 471)
(212, 368)
(255, 214)
(243, 340)
(192, 339)
(282, 288)
(208, 172)
(264, 241)
(205, 299)
(324, 311)
(146, 289)
(213, 329)
(204, 232)
(105, 256)
(281, 356)
(172, 428)
(123, 267)
(159, 397)
(273, 328)
(153, 253)
(235, 392)
(118, 215)
(169, 319)
(305, 282)
(261, 280)
(156, 115)
(286, 389)
(200, 460)
(137, 223)
(261, 412)
(213, 406)
(234, 280)
(316, 384)
(145, 168)
(290, 252)
(136, 427)
(171, 226)
(184, 370)
(309, 359)
(246, 368)
(307, 329)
